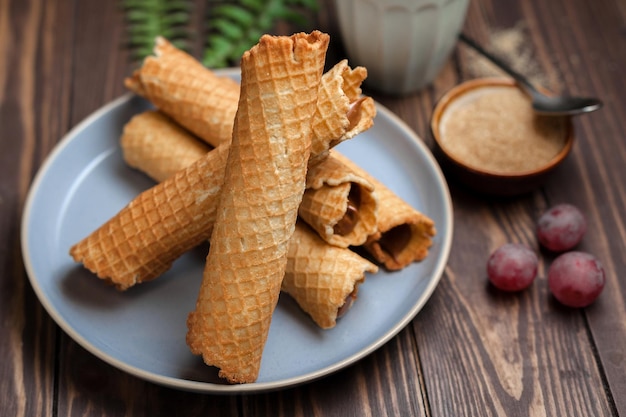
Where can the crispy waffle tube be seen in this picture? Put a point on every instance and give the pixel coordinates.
(205, 104)
(258, 205)
(141, 241)
(188, 92)
(338, 204)
(403, 234)
(158, 146)
(340, 94)
(323, 279)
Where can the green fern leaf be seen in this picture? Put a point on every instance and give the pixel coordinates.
(242, 17)
(218, 55)
(148, 19)
(228, 29)
(236, 26)
(233, 26)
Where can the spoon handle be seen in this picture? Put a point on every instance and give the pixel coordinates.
(500, 63)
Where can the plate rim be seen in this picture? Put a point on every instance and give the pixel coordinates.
(445, 244)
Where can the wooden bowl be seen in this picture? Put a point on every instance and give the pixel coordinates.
(487, 181)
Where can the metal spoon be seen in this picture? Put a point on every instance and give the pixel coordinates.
(542, 104)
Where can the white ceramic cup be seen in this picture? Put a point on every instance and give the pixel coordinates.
(402, 43)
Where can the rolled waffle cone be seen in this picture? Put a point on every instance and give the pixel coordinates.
(403, 234)
(319, 276)
(339, 204)
(154, 143)
(183, 207)
(323, 279)
(188, 92)
(340, 94)
(143, 240)
(263, 187)
(205, 104)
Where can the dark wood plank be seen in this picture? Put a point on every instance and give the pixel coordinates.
(585, 58)
(588, 60)
(532, 356)
(100, 60)
(381, 384)
(90, 384)
(33, 102)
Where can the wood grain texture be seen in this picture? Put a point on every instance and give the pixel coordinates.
(472, 351)
(574, 53)
(28, 336)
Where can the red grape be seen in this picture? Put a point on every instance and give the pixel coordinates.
(512, 267)
(561, 227)
(576, 279)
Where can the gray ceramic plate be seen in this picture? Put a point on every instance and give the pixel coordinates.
(84, 182)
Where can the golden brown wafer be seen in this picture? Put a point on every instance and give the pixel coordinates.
(256, 216)
(339, 204)
(188, 92)
(155, 144)
(323, 279)
(340, 93)
(319, 276)
(205, 104)
(403, 234)
(143, 239)
(188, 198)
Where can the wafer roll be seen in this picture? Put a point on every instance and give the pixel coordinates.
(143, 240)
(205, 104)
(191, 198)
(155, 144)
(188, 92)
(323, 279)
(256, 216)
(340, 94)
(339, 204)
(403, 234)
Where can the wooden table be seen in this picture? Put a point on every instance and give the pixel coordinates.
(470, 351)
